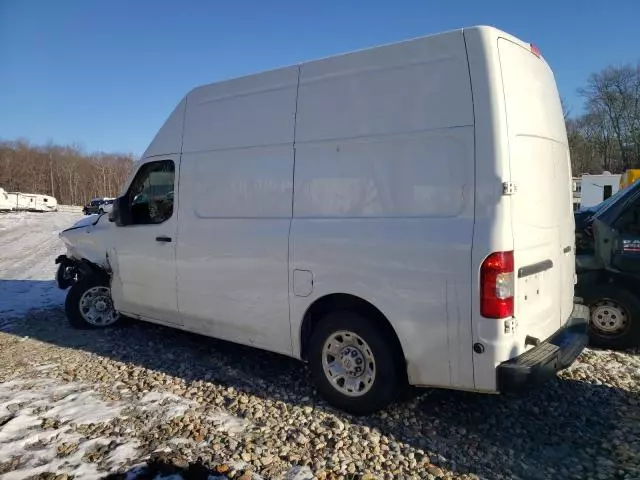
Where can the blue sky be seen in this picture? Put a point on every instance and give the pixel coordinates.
(105, 74)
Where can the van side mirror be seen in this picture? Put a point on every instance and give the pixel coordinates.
(121, 212)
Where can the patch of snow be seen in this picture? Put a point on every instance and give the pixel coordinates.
(178, 441)
(69, 402)
(22, 436)
(37, 450)
(124, 453)
(84, 407)
(25, 404)
(299, 473)
(29, 244)
(228, 423)
(44, 367)
(167, 405)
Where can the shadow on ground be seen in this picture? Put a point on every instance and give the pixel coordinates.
(565, 429)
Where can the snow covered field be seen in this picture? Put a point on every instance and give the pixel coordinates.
(29, 244)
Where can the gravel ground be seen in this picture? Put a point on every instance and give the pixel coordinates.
(248, 412)
(91, 403)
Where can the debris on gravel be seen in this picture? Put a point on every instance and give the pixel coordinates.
(144, 398)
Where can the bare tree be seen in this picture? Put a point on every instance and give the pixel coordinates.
(613, 96)
(65, 172)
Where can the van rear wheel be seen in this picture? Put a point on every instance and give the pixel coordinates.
(354, 366)
(89, 304)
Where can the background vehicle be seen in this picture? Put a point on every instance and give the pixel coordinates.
(32, 202)
(426, 237)
(43, 203)
(5, 202)
(98, 205)
(107, 206)
(629, 177)
(608, 269)
(583, 219)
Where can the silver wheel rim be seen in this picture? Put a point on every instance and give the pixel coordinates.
(348, 363)
(609, 317)
(96, 307)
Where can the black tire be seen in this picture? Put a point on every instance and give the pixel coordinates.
(63, 282)
(628, 302)
(72, 302)
(389, 378)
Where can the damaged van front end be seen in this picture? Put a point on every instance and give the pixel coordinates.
(86, 250)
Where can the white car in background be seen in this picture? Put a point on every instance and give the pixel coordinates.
(107, 206)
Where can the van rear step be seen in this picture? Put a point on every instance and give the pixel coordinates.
(542, 362)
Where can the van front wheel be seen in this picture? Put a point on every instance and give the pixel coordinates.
(353, 366)
(89, 305)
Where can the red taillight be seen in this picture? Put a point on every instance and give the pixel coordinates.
(535, 50)
(497, 285)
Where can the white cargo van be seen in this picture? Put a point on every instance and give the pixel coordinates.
(399, 214)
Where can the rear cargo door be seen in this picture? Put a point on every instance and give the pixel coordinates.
(542, 220)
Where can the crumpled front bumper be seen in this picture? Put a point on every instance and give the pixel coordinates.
(549, 357)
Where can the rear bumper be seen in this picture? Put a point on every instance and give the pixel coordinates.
(543, 361)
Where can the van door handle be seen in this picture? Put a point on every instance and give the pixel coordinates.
(163, 239)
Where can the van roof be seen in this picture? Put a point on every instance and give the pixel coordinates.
(486, 29)
(168, 139)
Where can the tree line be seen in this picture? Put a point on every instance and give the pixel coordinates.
(65, 172)
(606, 136)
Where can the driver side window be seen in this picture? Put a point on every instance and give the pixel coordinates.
(151, 193)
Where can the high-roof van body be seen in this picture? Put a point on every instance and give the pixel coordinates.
(401, 213)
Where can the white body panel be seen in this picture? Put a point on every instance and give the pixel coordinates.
(232, 251)
(89, 238)
(377, 174)
(594, 188)
(383, 207)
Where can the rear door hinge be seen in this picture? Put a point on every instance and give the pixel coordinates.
(509, 188)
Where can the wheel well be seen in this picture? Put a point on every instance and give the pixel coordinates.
(89, 268)
(345, 302)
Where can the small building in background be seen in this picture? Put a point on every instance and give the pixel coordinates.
(595, 189)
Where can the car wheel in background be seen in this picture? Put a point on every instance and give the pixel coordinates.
(614, 316)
